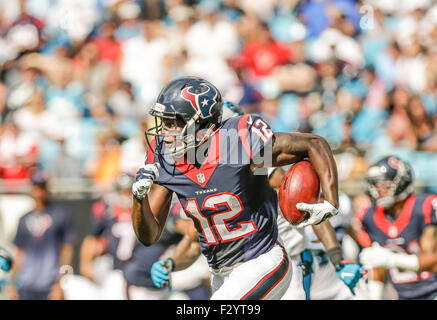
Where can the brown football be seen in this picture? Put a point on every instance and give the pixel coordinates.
(300, 184)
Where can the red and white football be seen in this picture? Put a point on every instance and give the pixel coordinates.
(300, 184)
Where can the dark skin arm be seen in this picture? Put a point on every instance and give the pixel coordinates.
(188, 249)
(378, 274)
(289, 148)
(186, 253)
(428, 249)
(150, 214)
(326, 234)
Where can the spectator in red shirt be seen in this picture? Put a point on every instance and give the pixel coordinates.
(109, 49)
(261, 55)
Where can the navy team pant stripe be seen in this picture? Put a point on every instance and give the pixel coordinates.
(269, 281)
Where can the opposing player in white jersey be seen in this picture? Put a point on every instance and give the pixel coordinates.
(314, 276)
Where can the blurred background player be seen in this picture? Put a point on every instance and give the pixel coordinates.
(402, 227)
(189, 284)
(44, 247)
(104, 253)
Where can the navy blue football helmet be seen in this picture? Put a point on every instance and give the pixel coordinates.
(193, 101)
(397, 174)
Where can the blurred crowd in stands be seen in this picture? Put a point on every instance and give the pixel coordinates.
(77, 77)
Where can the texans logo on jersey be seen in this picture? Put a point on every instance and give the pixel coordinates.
(202, 99)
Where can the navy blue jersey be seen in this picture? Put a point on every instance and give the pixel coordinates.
(41, 235)
(137, 270)
(234, 210)
(403, 235)
(114, 222)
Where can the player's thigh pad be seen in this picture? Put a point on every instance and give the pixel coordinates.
(265, 277)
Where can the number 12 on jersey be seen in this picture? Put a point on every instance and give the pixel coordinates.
(218, 221)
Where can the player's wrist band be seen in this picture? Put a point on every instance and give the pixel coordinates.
(335, 255)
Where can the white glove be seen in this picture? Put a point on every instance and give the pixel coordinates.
(376, 257)
(380, 257)
(144, 180)
(319, 212)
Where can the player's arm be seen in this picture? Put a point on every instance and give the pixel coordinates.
(428, 249)
(376, 283)
(11, 289)
(188, 249)
(426, 260)
(349, 273)
(288, 148)
(186, 253)
(326, 234)
(66, 254)
(65, 261)
(150, 214)
(282, 149)
(91, 248)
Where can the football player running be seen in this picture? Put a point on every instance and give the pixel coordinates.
(323, 279)
(402, 228)
(231, 203)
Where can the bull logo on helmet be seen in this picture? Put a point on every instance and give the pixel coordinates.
(203, 101)
(394, 163)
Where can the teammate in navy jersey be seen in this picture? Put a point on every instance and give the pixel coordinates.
(44, 247)
(112, 238)
(138, 273)
(111, 228)
(211, 165)
(402, 228)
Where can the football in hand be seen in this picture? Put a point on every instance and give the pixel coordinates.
(300, 184)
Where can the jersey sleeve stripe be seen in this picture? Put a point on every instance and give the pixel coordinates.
(364, 239)
(427, 208)
(150, 152)
(243, 132)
